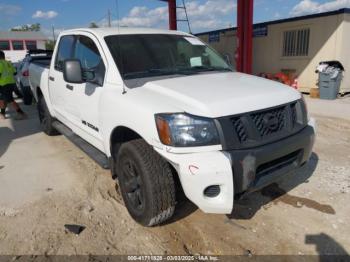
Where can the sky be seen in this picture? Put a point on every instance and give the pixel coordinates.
(204, 15)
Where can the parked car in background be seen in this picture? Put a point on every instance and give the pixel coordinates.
(22, 77)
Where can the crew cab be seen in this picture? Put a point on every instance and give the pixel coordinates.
(163, 110)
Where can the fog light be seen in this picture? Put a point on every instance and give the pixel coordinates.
(212, 191)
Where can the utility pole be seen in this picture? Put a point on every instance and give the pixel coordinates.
(109, 18)
(53, 33)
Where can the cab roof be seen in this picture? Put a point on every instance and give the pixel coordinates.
(108, 31)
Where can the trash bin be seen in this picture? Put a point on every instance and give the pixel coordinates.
(330, 74)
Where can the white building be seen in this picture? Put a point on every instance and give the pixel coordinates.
(16, 43)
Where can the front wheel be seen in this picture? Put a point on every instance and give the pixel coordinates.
(146, 183)
(45, 118)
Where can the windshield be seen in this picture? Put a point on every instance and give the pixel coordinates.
(141, 56)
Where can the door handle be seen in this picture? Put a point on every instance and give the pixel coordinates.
(51, 78)
(69, 87)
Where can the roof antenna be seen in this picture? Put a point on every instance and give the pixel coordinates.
(119, 47)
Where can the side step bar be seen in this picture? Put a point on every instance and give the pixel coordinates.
(98, 156)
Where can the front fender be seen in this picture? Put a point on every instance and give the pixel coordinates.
(126, 110)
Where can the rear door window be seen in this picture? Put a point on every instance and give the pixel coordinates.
(65, 51)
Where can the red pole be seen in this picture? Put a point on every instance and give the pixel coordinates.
(244, 56)
(172, 15)
(240, 36)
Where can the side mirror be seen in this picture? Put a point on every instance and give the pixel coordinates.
(89, 75)
(72, 71)
(95, 75)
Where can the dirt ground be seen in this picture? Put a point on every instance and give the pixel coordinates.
(46, 182)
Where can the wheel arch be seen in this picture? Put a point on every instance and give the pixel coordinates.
(123, 134)
(41, 92)
(120, 135)
(37, 93)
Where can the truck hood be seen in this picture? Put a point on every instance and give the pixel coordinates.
(220, 94)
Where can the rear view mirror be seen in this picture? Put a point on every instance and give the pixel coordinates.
(72, 72)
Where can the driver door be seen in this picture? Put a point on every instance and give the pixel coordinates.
(59, 93)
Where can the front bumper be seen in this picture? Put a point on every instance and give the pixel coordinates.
(239, 171)
(255, 168)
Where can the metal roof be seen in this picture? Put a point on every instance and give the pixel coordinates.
(286, 20)
(22, 35)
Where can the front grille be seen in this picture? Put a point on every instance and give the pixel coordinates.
(294, 113)
(262, 127)
(240, 129)
(265, 130)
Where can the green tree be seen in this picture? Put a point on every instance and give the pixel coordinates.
(50, 45)
(33, 27)
(93, 25)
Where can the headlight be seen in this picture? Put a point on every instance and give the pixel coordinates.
(183, 130)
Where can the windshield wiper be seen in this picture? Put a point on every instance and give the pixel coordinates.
(211, 68)
(152, 72)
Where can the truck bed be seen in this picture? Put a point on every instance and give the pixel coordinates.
(42, 62)
(38, 74)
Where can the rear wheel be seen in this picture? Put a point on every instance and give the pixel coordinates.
(146, 183)
(45, 118)
(17, 91)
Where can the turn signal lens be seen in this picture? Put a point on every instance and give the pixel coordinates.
(163, 130)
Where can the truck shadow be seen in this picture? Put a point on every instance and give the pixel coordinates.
(249, 205)
(183, 209)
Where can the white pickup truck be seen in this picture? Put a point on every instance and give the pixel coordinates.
(158, 106)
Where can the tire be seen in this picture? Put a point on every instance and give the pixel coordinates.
(45, 118)
(27, 95)
(17, 91)
(146, 183)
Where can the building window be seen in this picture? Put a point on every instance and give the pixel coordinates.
(31, 45)
(17, 45)
(4, 45)
(296, 42)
